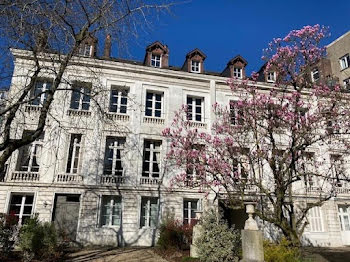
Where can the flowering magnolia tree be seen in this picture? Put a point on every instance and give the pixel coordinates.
(273, 143)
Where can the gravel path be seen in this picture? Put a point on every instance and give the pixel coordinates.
(116, 254)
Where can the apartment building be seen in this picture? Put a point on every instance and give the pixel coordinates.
(335, 68)
(98, 171)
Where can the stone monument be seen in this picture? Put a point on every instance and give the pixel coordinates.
(252, 238)
(196, 233)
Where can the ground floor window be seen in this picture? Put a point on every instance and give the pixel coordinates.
(315, 219)
(344, 217)
(149, 212)
(190, 207)
(21, 205)
(111, 211)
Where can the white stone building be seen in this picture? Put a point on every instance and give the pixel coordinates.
(100, 176)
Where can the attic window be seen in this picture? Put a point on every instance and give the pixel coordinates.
(237, 72)
(271, 77)
(315, 75)
(155, 60)
(85, 50)
(195, 66)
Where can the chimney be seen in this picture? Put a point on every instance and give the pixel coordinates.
(41, 40)
(108, 45)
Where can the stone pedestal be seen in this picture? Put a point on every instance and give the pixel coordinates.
(252, 246)
(196, 232)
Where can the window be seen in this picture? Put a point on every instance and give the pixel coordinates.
(39, 93)
(315, 219)
(236, 114)
(21, 205)
(344, 217)
(85, 50)
(156, 60)
(190, 207)
(195, 66)
(337, 170)
(29, 155)
(271, 77)
(315, 75)
(346, 83)
(80, 99)
(111, 211)
(118, 100)
(113, 156)
(151, 158)
(73, 154)
(237, 72)
(149, 212)
(154, 103)
(308, 168)
(195, 108)
(344, 62)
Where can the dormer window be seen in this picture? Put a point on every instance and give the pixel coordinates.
(271, 77)
(156, 61)
(85, 50)
(195, 66)
(315, 75)
(237, 72)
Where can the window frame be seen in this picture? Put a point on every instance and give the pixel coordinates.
(72, 155)
(146, 217)
(35, 98)
(268, 77)
(112, 203)
(188, 209)
(315, 71)
(191, 108)
(22, 205)
(154, 102)
(84, 97)
(119, 147)
(315, 219)
(156, 60)
(238, 74)
(195, 66)
(84, 48)
(344, 62)
(122, 93)
(151, 162)
(32, 152)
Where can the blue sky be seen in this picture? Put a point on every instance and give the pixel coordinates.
(225, 28)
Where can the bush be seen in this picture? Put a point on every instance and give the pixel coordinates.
(38, 240)
(174, 235)
(8, 233)
(217, 242)
(281, 252)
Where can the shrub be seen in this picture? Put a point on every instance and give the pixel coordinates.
(281, 252)
(217, 242)
(8, 233)
(174, 235)
(38, 240)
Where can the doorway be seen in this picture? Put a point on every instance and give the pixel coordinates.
(344, 219)
(233, 216)
(66, 215)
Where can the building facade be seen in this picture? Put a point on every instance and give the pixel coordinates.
(98, 171)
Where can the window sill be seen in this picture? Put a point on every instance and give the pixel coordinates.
(118, 117)
(24, 176)
(153, 120)
(77, 112)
